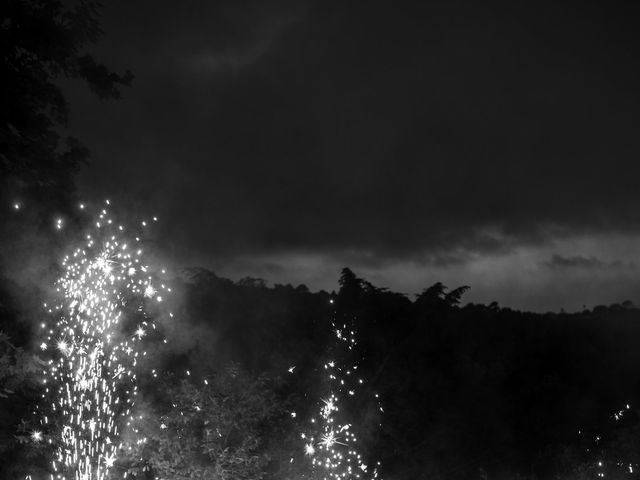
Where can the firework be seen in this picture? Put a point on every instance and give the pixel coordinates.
(612, 453)
(95, 338)
(331, 443)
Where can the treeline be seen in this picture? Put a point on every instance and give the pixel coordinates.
(469, 391)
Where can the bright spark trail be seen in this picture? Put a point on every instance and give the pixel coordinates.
(98, 324)
(332, 443)
(613, 458)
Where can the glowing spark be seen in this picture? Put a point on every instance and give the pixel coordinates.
(335, 452)
(103, 264)
(328, 439)
(36, 436)
(309, 449)
(92, 368)
(63, 346)
(329, 406)
(149, 291)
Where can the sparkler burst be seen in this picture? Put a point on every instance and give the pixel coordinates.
(611, 453)
(332, 445)
(98, 323)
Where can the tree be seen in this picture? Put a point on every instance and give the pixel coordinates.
(18, 372)
(18, 379)
(40, 42)
(218, 429)
(437, 296)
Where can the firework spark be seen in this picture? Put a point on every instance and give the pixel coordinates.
(91, 379)
(332, 445)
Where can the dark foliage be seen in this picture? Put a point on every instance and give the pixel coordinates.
(468, 390)
(219, 429)
(42, 41)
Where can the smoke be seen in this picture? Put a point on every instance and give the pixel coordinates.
(31, 247)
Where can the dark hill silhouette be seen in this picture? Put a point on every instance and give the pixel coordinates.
(468, 390)
(465, 387)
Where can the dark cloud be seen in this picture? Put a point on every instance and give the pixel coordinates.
(579, 261)
(576, 261)
(433, 130)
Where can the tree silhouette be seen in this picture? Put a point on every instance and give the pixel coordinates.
(42, 41)
(453, 298)
(436, 296)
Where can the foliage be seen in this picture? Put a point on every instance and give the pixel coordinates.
(42, 41)
(214, 430)
(609, 450)
(17, 367)
(19, 371)
(469, 391)
(465, 388)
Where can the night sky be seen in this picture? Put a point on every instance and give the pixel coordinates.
(493, 145)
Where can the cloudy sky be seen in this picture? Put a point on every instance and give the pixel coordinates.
(473, 143)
